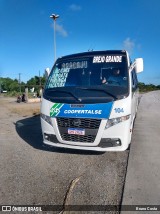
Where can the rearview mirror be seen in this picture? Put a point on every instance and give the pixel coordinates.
(47, 72)
(138, 65)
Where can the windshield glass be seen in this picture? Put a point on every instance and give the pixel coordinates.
(104, 74)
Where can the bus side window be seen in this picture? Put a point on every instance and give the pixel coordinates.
(134, 80)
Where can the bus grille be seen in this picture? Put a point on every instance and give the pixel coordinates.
(85, 123)
(91, 127)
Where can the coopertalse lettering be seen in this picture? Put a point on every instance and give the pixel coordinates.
(83, 112)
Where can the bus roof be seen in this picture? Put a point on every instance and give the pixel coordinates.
(93, 53)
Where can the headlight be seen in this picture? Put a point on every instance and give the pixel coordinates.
(114, 121)
(46, 118)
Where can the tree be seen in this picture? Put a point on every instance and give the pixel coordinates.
(147, 87)
(6, 83)
(14, 86)
(43, 80)
(36, 82)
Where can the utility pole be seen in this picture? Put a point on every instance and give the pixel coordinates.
(39, 78)
(0, 84)
(54, 17)
(0, 87)
(20, 82)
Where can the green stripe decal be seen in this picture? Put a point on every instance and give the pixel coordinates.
(55, 110)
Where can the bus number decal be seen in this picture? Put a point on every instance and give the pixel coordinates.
(119, 110)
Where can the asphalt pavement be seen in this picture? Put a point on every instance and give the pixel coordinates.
(142, 186)
(34, 174)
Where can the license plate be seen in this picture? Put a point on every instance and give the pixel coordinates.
(76, 131)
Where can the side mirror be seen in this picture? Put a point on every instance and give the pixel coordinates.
(138, 65)
(47, 72)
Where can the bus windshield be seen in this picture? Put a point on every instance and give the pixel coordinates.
(102, 74)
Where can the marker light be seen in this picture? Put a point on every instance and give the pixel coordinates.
(114, 121)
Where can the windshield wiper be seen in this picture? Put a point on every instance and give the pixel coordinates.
(67, 92)
(98, 89)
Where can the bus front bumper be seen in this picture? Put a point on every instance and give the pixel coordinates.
(106, 144)
(112, 139)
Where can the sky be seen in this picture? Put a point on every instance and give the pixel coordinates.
(27, 33)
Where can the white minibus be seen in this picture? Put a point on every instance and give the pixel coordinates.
(90, 101)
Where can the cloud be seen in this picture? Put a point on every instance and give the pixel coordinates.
(129, 45)
(75, 7)
(60, 29)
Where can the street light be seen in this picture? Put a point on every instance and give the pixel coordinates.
(54, 17)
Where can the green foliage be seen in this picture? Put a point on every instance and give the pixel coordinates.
(12, 94)
(43, 80)
(33, 81)
(36, 82)
(145, 88)
(13, 87)
(5, 83)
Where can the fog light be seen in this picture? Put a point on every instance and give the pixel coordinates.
(45, 136)
(118, 143)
